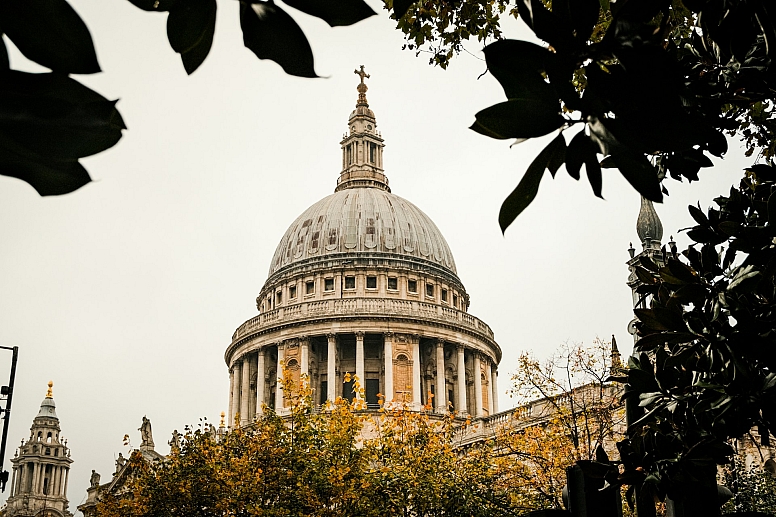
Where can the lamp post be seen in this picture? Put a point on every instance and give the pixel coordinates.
(6, 393)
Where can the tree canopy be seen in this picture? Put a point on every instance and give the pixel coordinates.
(649, 87)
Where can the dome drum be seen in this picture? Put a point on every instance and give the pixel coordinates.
(363, 283)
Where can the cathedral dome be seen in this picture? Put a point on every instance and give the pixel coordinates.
(367, 221)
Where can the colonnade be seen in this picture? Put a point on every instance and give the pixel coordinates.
(404, 370)
(33, 480)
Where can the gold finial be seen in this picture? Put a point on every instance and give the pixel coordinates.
(223, 420)
(50, 392)
(362, 88)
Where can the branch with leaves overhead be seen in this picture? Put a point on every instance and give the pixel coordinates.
(49, 121)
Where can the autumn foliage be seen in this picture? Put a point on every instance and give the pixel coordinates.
(344, 461)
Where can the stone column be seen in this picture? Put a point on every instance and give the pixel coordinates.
(245, 390)
(260, 380)
(494, 388)
(477, 385)
(304, 370)
(440, 395)
(235, 407)
(331, 368)
(461, 380)
(360, 360)
(416, 386)
(388, 359)
(279, 388)
(231, 392)
(67, 476)
(488, 376)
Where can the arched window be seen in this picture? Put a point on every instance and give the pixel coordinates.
(48, 438)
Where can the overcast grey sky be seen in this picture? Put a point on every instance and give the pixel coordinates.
(126, 292)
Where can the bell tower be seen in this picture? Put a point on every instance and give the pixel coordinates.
(41, 467)
(362, 146)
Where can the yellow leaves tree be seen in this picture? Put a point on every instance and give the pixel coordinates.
(568, 408)
(340, 462)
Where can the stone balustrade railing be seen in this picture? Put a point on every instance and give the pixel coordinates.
(362, 306)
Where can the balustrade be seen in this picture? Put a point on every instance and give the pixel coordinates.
(347, 306)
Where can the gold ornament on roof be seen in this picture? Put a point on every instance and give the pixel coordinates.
(50, 392)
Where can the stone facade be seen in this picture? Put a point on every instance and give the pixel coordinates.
(363, 283)
(41, 467)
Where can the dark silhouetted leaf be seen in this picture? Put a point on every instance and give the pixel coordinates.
(190, 28)
(55, 117)
(335, 12)
(526, 190)
(155, 5)
(4, 65)
(400, 8)
(593, 170)
(519, 118)
(576, 152)
(698, 215)
(272, 34)
(558, 157)
(518, 66)
(48, 178)
(639, 172)
(584, 16)
(50, 33)
(546, 25)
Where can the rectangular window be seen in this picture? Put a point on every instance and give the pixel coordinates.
(412, 286)
(350, 282)
(309, 287)
(444, 295)
(292, 292)
(371, 282)
(279, 297)
(372, 389)
(393, 283)
(328, 284)
(455, 300)
(430, 290)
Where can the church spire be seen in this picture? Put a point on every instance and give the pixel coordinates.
(362, 146)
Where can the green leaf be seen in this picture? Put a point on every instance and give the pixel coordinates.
(154, 5)
(744, 273)
(336, 13)
(270, 33)
(56, 117)
(50, 33)
(518, 67)
(518, 118)
(526, 190)
(190, 28)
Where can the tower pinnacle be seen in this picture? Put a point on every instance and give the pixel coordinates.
(50, 392)
(362, 146)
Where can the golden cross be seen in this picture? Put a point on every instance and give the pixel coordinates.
(361, 74)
